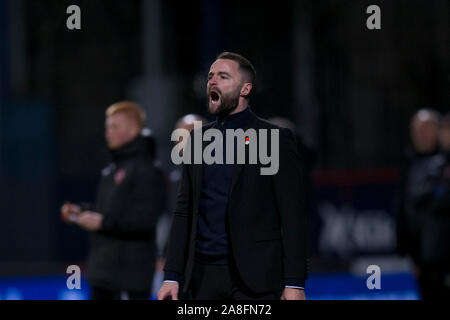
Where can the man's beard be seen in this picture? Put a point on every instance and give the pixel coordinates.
(229, 103)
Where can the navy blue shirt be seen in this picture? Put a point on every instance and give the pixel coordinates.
(212, 228)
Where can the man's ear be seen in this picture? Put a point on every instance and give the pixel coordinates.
(245, 90)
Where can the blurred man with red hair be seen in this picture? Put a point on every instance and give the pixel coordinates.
(129, 201)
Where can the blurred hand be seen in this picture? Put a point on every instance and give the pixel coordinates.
(90, 221)
(293, 294)
(168, 289)
(69, 212)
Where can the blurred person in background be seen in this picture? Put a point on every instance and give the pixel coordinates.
(416, 190)
(435, 246)
(130, 199)
(165, 220)
(306, 150)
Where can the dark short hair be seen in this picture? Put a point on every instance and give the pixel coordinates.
(244, 64)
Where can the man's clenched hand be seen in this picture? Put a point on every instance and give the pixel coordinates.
(168, 290)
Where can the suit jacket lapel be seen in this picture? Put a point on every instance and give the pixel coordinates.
(238, 168)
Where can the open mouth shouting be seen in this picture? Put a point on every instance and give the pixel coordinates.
(214, 98)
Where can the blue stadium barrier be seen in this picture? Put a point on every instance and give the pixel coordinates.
(326, 286)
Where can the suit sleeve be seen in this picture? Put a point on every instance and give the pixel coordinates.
(290, 196)
(179, 233)
(147, 201)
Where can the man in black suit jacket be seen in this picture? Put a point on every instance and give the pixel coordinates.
(238, 234)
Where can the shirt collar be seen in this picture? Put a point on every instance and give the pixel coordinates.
(235, 120)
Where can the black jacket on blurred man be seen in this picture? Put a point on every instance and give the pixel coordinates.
(129, 201)
(421, 227)
(436, 227)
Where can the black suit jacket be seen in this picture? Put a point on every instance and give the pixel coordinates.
(266, 214)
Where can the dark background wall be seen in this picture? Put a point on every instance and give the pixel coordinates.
(350, 89)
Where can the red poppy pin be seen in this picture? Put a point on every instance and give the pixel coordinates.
(119, 176)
